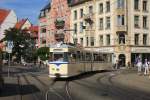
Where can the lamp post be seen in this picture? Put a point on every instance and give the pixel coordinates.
(9, 50)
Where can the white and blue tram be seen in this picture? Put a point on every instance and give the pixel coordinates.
(66, 60)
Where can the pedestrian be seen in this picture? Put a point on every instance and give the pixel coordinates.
(116, 64)
(146, 67)
(129, 65)
(139, 65)
(40, 64)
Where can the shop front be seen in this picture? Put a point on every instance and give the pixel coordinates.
(142, 52)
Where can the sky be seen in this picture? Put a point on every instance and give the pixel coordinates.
(25, 8)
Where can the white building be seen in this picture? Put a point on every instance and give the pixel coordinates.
(8, 19)
(118, 28)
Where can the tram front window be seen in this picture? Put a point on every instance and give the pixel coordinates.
(58, 57)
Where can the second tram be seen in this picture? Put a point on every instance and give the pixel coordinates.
(66, 60)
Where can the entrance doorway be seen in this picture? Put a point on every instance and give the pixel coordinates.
(122, 60)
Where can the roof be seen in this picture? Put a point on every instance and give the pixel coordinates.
(20, 23)
(76, 2)
(48, 6)
(34, 31)
(3, 14)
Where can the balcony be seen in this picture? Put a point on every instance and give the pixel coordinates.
(59, 37)
(59, 23)
(121, 28)
(120, 11)
(89, 18)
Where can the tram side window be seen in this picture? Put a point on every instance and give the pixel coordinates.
(78, 56)
(72, 57)
(96, 57)
(88, 57)
(82, 58)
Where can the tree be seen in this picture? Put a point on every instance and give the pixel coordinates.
(43, 53)
(21, 41)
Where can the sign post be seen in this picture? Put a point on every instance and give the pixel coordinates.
(9, 50)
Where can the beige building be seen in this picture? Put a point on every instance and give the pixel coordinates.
(119, 29)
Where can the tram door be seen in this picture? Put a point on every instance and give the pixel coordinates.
(122, 60)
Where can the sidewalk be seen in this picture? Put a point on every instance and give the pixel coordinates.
(130, 78)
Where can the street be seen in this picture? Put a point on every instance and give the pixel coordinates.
(33, 83)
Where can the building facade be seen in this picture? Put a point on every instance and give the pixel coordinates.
(8, 19)
(60, 21)
(120, 29)
(44, 22)
(54, 26)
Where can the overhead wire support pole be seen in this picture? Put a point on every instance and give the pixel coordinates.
(9, 65)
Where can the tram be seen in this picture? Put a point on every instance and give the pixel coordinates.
(66, 60)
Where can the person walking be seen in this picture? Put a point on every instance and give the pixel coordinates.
(139, 65)
(116, 64)
(146, 67)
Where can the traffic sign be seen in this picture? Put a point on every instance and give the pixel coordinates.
(9, 50)
(10, 44)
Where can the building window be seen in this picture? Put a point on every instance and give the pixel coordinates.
(101, 23)
(136, 4)
(107, 22)
(120, 20)
(120, 4)
(145, 22)
(101, 40)
(75, 28)
(43, 30)
(90, 9)
(81, 13)
(75, 40)
(81, 41)
(92, 41)
(144, 39)
(81, 27)
(144, 5)
(75, 15)
(108, 6)
(100, 8)
(87, 41)
(136, 21)
(108, 39)
(121, 38)
(136, 39)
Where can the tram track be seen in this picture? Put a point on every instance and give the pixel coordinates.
(52, 89)
(34, 95)
(118, 91)
(111, 88)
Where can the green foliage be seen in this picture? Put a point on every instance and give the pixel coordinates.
(43, 53)
(23, 45)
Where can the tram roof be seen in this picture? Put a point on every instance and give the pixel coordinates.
(62, 46)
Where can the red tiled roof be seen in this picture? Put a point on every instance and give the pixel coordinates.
(3, 14)
(33, 31)
(20, 23)
(33, 28)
